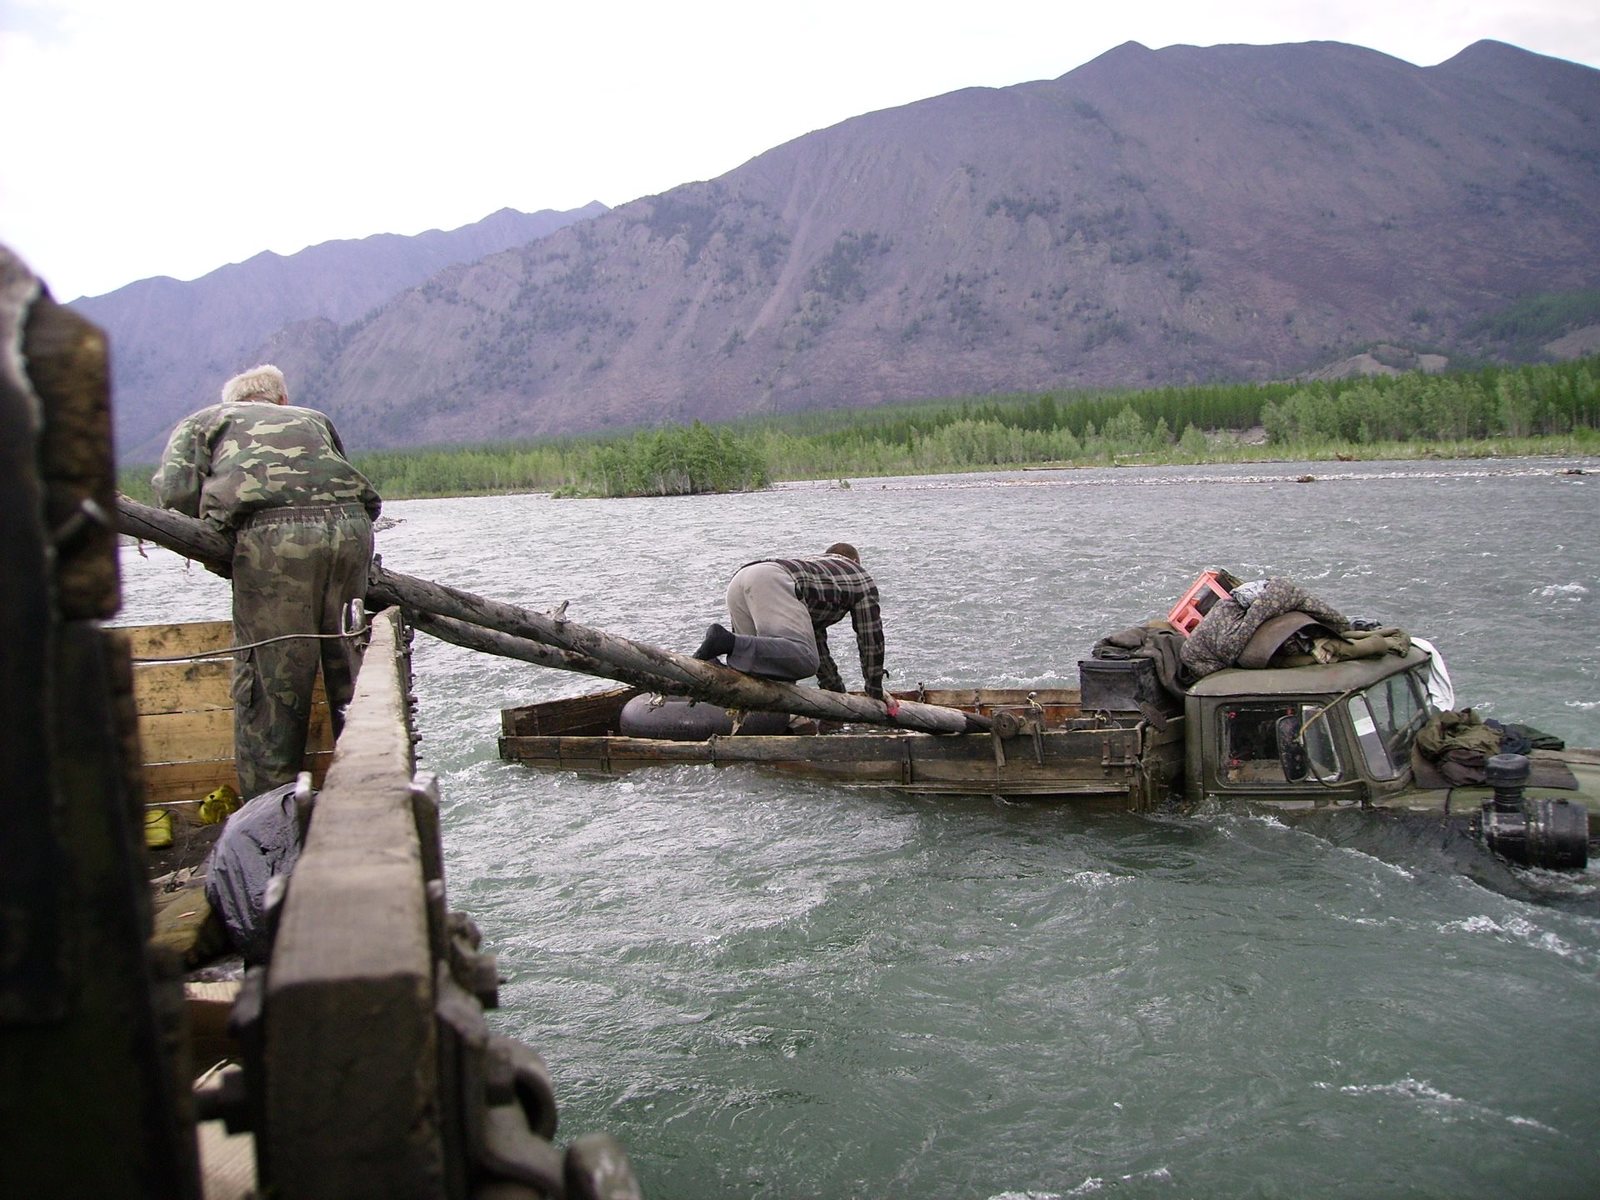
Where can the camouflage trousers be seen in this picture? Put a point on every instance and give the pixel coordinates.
(294, 571)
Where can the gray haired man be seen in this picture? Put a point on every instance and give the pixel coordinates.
(274, 477)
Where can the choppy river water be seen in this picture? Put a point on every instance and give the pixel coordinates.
(770, 988)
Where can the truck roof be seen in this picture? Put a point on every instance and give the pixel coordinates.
(1330, 678)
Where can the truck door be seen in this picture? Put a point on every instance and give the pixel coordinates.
(1248, 754)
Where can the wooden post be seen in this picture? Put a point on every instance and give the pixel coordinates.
(584, 647)
(350, 1052)
(92, 1071)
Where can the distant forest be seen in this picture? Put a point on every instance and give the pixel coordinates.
(1548, 408)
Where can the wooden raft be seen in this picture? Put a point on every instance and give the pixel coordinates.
(1042, 745)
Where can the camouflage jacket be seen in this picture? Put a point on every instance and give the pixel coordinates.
(228, 461)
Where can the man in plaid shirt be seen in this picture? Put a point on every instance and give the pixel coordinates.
(780, 609)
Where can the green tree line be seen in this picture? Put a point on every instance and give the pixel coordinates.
(1536, 401)
(1529, 409)
(671, 461)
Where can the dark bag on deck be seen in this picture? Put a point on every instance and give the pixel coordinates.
(259, 842)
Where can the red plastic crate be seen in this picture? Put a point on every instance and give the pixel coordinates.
(1197, 602)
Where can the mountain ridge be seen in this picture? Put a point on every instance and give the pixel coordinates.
(1153, 217)
(175, 342)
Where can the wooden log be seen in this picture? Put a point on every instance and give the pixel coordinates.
(596, 652)
(679, 674)
(178, 533)
(476, 637)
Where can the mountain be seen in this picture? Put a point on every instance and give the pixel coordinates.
(1153, 217)
(173, 344)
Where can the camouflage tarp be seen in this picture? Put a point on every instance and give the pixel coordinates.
(1220, 638)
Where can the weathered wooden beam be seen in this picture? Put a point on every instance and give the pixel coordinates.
(89, 1014)
(349, 1039)
(178, 533)
(678, 674)
(476, 637)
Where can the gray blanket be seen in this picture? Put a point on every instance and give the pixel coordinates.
(260, 841)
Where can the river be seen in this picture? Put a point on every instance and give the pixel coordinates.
(775, 989)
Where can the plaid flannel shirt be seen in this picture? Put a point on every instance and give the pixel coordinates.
(830, 586)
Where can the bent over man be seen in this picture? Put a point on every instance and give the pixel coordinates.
(781, 608)
(275, 478)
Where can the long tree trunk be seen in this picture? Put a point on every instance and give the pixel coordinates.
(553, 641)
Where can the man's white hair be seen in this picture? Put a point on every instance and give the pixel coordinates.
(265, 381)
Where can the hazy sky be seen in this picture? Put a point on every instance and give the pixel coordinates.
(170, 137)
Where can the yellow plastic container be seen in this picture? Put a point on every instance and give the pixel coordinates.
(218, 805)
(158, 828)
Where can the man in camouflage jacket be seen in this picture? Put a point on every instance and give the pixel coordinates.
(275, 478)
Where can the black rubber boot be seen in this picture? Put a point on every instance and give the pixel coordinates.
(719, 641)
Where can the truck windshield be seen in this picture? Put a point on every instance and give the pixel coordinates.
(1387, 717)
(1250, 745)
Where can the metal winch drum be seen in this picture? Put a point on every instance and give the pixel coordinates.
(1532, 832)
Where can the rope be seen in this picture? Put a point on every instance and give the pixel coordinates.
(224, 653)
(353, 623)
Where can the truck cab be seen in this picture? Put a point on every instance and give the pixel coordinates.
(1354, 723)
(1343, 735)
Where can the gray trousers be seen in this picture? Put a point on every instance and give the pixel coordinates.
(772, 633)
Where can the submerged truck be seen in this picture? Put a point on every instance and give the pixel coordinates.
(1294, 739)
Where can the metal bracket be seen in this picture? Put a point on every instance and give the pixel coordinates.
(500, 1106)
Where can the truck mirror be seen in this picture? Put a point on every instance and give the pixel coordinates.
(1291, 750)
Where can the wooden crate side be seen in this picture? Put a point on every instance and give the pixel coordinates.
(183, 687)
(186, 714)
(184, 784)
(987, 700)
(576, 716)
(186, 736)
(169, 641)
(198, 736)
(193, 686)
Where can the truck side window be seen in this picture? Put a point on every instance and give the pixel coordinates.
(1250, 744)
(1249, 748)
(1408, 708)
(1370, 738)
